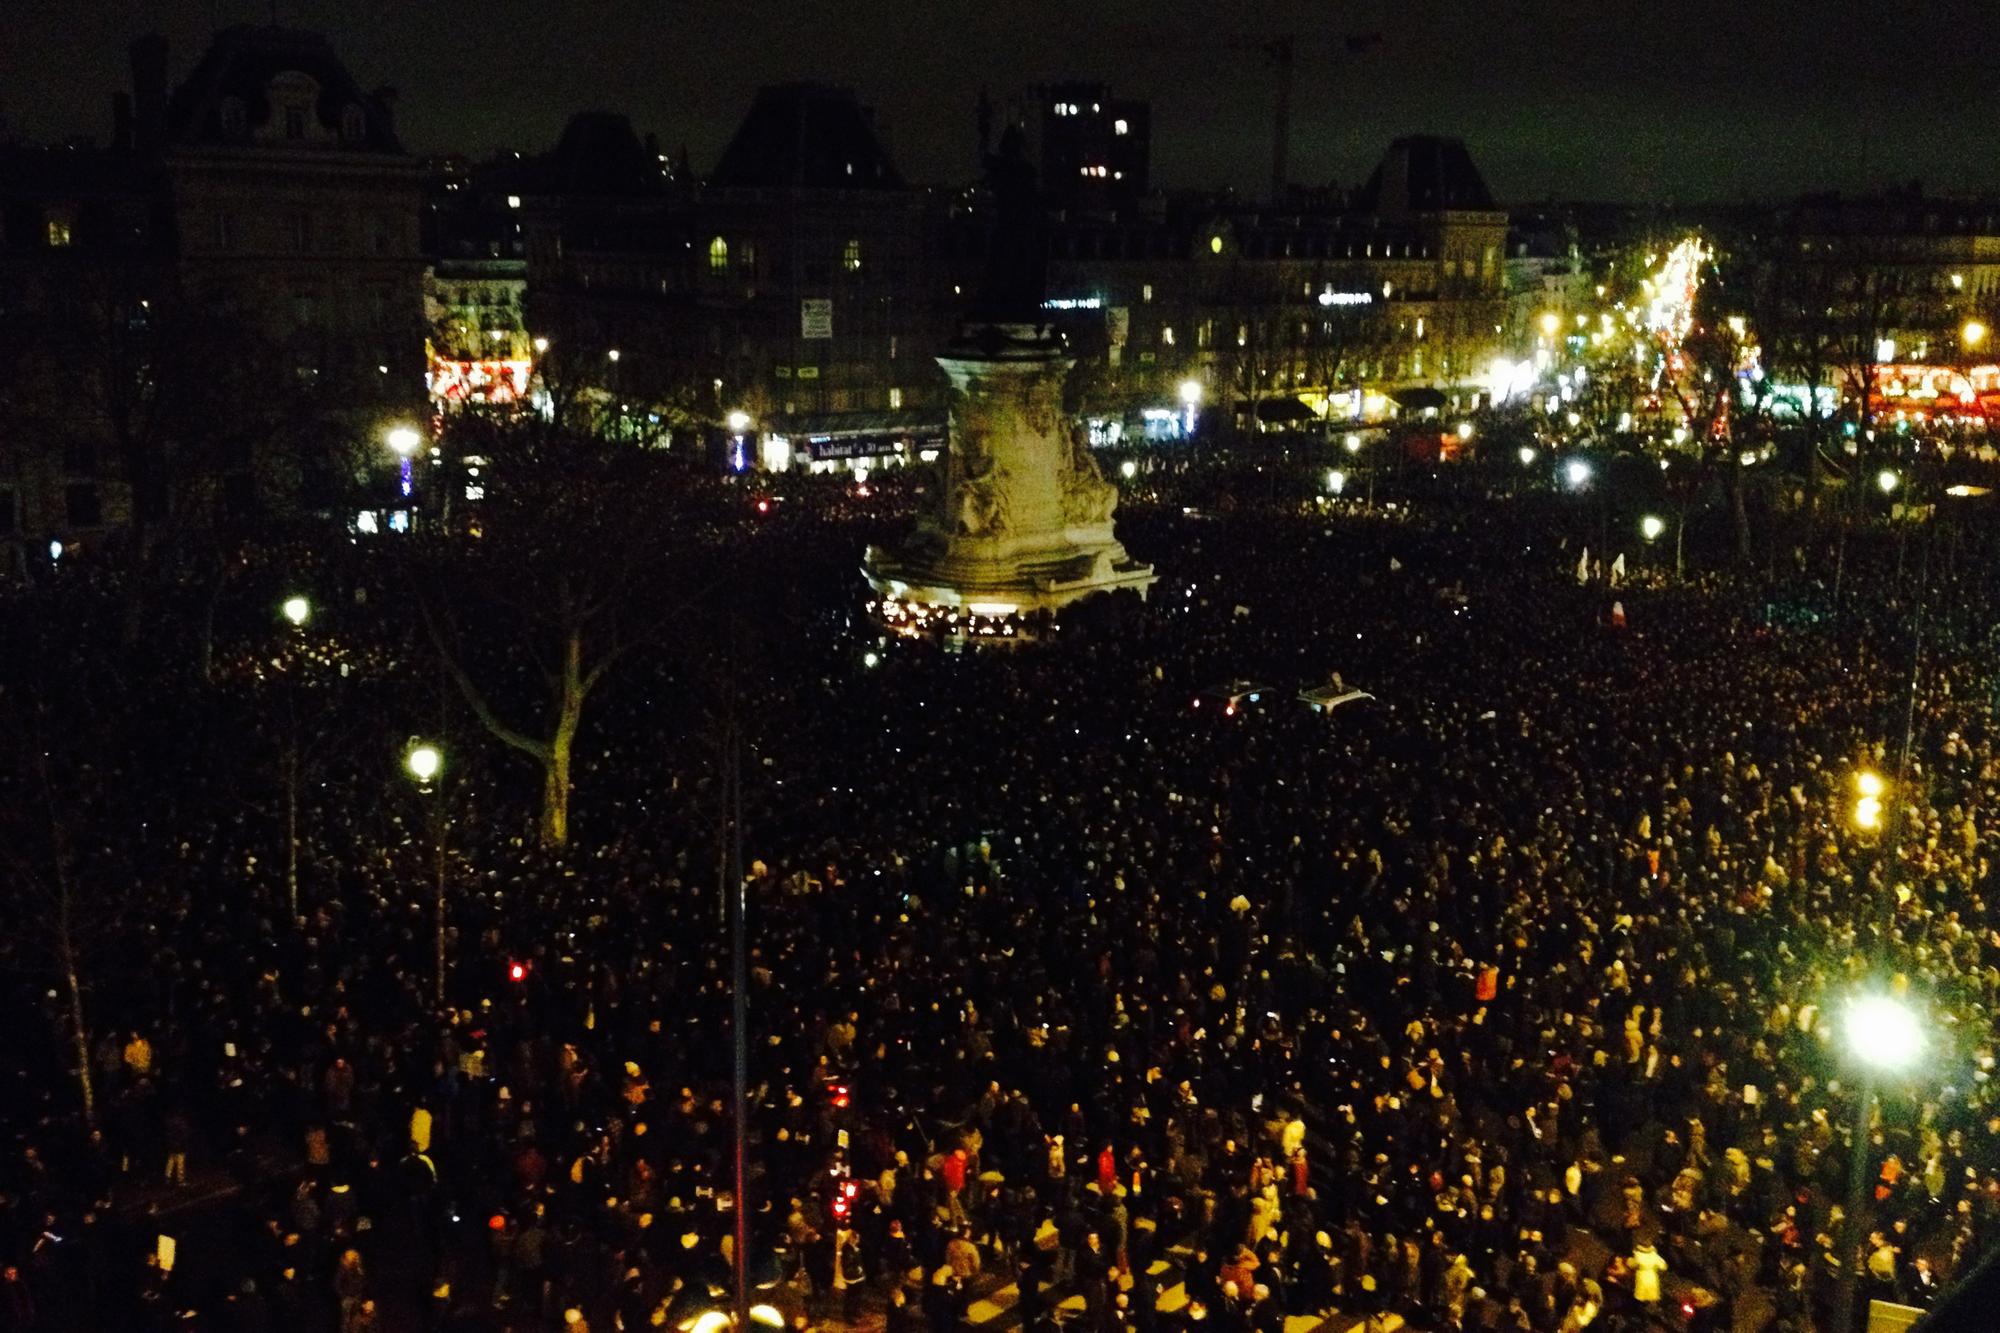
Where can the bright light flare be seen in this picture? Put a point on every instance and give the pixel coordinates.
(1651, 526)
(424, 761)
(297, 610)
(1881, 1032)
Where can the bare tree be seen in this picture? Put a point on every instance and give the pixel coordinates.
(563, 566)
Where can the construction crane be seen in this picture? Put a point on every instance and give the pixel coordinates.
(1278, 48)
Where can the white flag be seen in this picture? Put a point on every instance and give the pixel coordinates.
(1583, 566)
(1618, 569)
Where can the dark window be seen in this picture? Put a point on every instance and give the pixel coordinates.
(80, 458)
(295, 122)
(80, 499)
(8, 505)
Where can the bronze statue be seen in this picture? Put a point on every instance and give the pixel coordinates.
(1017, 250)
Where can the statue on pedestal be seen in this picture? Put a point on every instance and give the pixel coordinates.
(1017, 252)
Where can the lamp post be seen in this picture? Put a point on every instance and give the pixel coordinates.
(739, 425)
(298, 611)
(403, 442)
(1190, 404)
(1882, 1036)
(423, 761)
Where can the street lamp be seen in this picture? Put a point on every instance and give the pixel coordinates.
(1190, 402)
(424, 762)
(1867, 801)
(1888, 480)
(404, 442)
(1352, 443)
(298, 611)
(1882, 1035)
(739, 422)
(1577, 471)
(1973, 334)
(1128, 469)
(613, 354)
(1336, 481)
(541, 346)
(1526, 453)
(1651, 526)
(1551, 322)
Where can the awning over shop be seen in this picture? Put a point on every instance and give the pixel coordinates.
(862, 434)
(1420, 398)
(1284, 411)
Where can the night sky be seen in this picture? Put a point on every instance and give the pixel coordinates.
(1673, 100)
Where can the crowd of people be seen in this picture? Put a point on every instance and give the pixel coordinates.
(1506, 999)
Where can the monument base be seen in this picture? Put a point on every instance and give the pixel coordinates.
(1022, 524)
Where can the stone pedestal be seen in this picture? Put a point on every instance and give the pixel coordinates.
(1022, 523)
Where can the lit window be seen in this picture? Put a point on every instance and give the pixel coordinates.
(1120, 127)
(718, 256)
(1215, 245)
(513, 201)
(58, 233)
(1146, 292)
(1167, 335)
(895, 400)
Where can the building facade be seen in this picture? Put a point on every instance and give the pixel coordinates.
(228, 299)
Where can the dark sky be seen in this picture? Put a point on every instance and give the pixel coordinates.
(1667, 100)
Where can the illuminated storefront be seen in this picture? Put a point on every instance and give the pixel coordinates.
(456, 382)
(1925, 390)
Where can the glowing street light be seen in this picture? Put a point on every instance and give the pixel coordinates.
(1336, 481)
(404, 441)
(1651, 526)
(1551, 322)
(1883, 1035)
(1867, 801)
(1191, 392)
(1577, 471)
(424, 762)
(1888, 480)
(614, 354)
(1352, 443)
(1128, 469)
(297, 610)
(1973, 334)
(739, 422)
(541, 345)
(1526, 453)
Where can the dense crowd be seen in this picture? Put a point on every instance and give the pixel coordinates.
(1505, 999)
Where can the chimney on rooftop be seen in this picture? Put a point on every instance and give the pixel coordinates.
(149, 87)
(385, 97)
